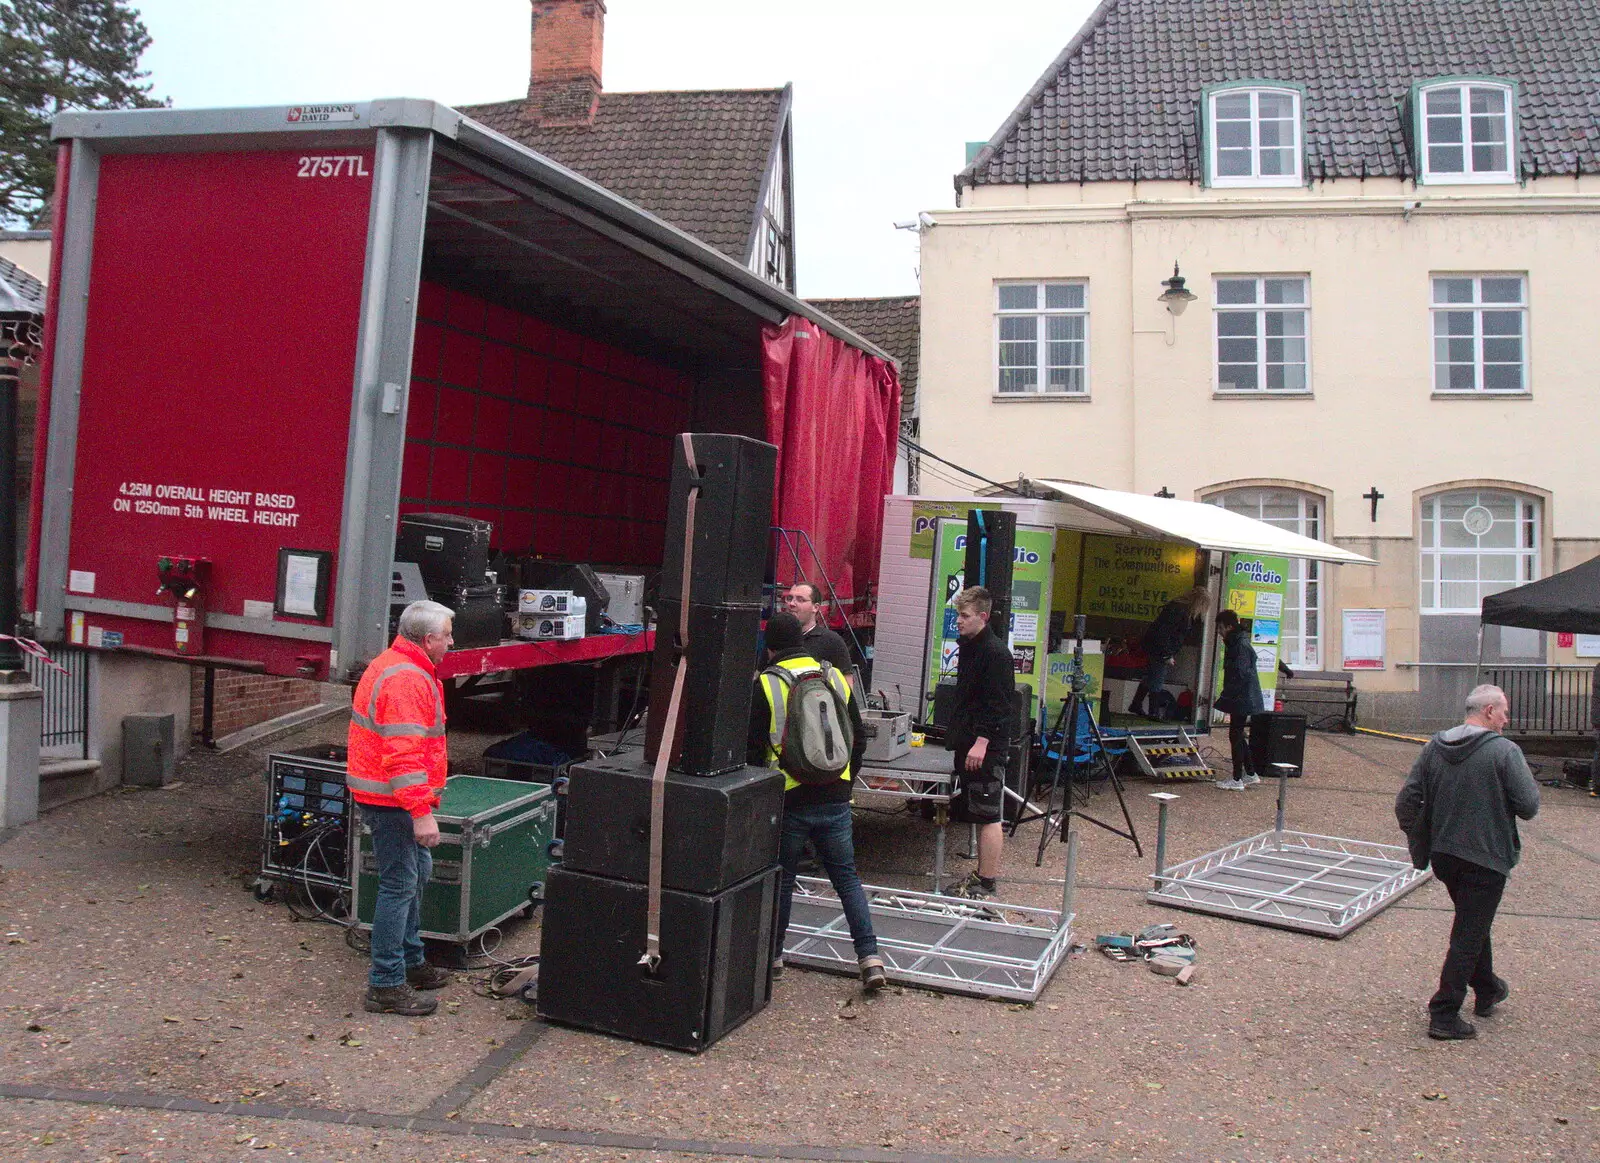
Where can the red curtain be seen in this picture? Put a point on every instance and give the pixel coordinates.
(834, 413)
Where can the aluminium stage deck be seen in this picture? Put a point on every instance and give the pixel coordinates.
(936, 942)
(1292, 880)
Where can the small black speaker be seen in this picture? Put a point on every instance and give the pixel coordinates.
(733, 515)
(991, 547)
(1277, 737)
(717, 831)
(714, 713)
(450, 551)
(716, 958)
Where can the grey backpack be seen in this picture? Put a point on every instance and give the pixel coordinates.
(817, 736)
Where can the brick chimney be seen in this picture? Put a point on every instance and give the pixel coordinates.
(568, 44)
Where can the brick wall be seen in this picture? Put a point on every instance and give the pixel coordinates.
(243, 700)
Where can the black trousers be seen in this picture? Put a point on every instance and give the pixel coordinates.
(1239, 742)
(1475, 891)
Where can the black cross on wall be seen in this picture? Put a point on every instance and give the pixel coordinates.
(1374, 496)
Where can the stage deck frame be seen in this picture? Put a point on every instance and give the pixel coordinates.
(1326, 885)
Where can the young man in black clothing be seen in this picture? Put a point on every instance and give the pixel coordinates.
(818, 813)
(980, 735)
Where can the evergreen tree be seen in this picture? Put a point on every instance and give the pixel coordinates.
(57, 55)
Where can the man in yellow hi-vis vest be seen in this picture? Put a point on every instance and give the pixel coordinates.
(816, 803)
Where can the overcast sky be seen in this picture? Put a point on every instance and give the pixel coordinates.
(886, 91)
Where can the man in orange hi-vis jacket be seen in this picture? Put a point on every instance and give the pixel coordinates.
(396, 771)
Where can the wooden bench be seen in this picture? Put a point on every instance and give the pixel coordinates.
(1326, 698)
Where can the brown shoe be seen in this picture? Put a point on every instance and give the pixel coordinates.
(872, 974)
(427, 976)
(399, 999)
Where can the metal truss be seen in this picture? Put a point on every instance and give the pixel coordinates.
(1326, 885)
(949, 944)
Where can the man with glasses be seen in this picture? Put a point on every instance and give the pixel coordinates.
(1460, 805)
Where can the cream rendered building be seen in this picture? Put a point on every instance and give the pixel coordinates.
(1387, 214)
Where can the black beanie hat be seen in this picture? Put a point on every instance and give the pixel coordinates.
(783, 631)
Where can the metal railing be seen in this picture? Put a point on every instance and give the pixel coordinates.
(1545, 700)
(66, 697)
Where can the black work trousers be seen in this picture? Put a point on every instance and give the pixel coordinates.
(1475, 891)
(1239, 742)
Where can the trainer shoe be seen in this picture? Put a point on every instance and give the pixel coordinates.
(1250, 779)
(872, 974)
(1231, 784)
(1451, 1029)
(972, 888)
(777, 968)
(1487, 1005)
(399, 999)
(427, 976)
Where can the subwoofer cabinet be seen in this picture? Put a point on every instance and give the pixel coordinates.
(716, 958)
(717, 830)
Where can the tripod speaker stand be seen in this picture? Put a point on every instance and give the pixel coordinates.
(1066, 734)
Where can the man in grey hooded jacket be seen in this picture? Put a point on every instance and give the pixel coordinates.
(1462, 799)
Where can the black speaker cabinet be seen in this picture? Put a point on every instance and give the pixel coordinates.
(714, 713)
(1277, 737)
(717, 831)
(991, 547)
(450, 551)
(733, 516)
(716, 958)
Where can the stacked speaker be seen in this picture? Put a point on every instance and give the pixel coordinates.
(722, 819)
(991, 551)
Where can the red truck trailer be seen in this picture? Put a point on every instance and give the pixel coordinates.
(274, 331)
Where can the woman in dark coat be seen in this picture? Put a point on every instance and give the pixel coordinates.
(1162, 642)
(1240, 697)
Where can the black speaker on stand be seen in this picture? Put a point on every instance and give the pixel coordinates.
(721, 819)
(991, 548)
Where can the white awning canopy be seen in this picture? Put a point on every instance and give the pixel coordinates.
(1205, 526)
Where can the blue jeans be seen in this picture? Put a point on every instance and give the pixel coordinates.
(403, 870)
(827, 826)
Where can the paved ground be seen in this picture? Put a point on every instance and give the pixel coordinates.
(140, 973)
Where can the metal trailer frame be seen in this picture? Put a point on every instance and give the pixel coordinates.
(406, 135)
(1309, 883)
(977, 948)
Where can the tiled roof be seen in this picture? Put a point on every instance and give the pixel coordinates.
(893, 324)
(695, 159)
(20, 292)
(1119, 103)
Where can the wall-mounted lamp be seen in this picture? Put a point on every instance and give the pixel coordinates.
(1176, 296)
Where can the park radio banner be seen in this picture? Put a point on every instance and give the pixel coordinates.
(1254, 588)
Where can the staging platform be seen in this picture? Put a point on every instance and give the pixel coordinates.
(1325, 885)
(947, 944)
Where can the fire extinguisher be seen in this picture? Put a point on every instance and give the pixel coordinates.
(186, 579)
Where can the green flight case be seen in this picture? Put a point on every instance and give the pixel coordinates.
(492, 860)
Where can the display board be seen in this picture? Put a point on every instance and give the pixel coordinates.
(1030, 601)
(1254, 587)
(1130, 577)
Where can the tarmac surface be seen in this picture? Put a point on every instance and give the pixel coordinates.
(152, 1008)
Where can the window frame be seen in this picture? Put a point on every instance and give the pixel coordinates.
(1218, 309)
(1208, 135)
(1419, 131)
(1040, 391)
(1304, 572)
(1436, 552)
(1478, 307)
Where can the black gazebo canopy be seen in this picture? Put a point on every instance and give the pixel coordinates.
(1568, 602)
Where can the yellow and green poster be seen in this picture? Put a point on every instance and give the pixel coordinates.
(1254, 588)
(1030, 601)
(1130, 577)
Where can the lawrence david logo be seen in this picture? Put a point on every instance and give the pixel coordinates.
(1258, 573)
